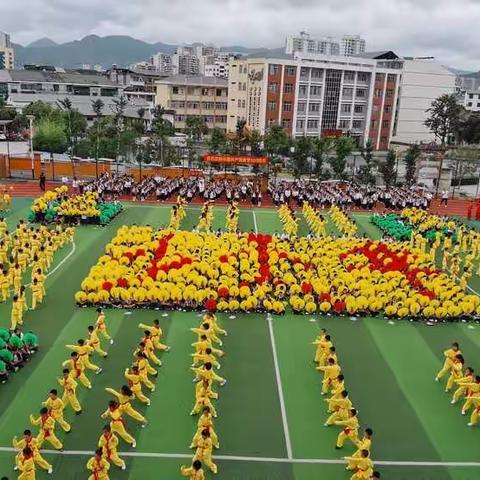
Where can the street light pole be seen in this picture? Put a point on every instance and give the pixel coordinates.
(30, 119)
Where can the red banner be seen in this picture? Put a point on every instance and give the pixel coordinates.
(234, 159)
(331, 133)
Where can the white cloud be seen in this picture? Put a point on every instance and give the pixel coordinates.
(440, 28)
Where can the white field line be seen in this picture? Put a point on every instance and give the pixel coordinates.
(255, 221)
(283, 410)
(72, 251)
(318, 461)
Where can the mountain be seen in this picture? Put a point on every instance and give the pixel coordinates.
(43, 42)
(458, 71)
(92, 49)
(121, 50)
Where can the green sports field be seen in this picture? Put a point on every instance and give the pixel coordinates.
(271, 413)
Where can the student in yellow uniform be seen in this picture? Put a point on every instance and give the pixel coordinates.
(143, 370)
(364, 444)
(31, 442)
(84, 351)
(26, 464)
(338, 386)
(156, 335)
(205, 329)
(101, 326)
(77, 369)
(108, 442)
(350, 429)
(94, 341)
(98, 466)
(206, 372)
(339, 408)
(202, 400)
(475, 413)
(323, 343)
(449, 357)
(205, 422)
(69, 391)
(472, 393)
(22, 298)
(135, 383)
(117, 423)
(47, 429)
(466, 379)
(205, 343)
(330, 372)
(55, 408)
(456, 371)
(17, 313)
(124, 397)
(195, 472)
(150, 349)
(211, 319)
(37, 293)
(4, 286)
(363, 466)
(206, 357)
(204, 451)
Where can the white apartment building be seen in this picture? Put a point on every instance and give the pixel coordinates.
(7, 54)
(471, 101)
(352, 45)
(217, 69)
(304, 43)
(423, 80)
(194, 96)
(163, 63)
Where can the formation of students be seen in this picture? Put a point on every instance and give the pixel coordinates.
(16, 348)
(463, 381)
(343, 223)
(289, 222)
(27, 248)
(233, 213)
(177, 213)
(205, 361)
(316, 223)
(341, 410)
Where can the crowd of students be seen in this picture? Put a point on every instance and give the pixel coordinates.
(463, 380)
(205, 361)
(346, 195)
(341, 411)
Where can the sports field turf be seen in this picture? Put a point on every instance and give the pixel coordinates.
(271, 419)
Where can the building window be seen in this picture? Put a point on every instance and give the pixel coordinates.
(290, 71)
(314, 107)
(312, 124)
(175, 90)
(470, 95)
(391, 78)
(376, 108)
(389, 92)
(344, 124)
(362, 77)
(243, 104)
(361, 93)
(359, 108)
(273, 87)
(270, 122)
(239, 103)
(304, 72)
(302, 90)
(384, 139)
(317, 73)
(469, 104)
(287, 106)
(387, 109)
(273, 69)
(219, 91)
(288, 88)
(286, 123)
(301, 107)
(272, 106)
(300, 124)
(346, 108)
(373, 124)
(378, 92)
(349, 77)
(379, 77)
(357, 124)
(315, 90)
(347, 92)
(385, 124)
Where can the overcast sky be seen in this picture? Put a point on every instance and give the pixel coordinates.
(446, 29)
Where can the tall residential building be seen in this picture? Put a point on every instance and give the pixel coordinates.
(217, 69)
(163, 63)
(423, 80)
(7, 54)
(193, 96)
(352, 45)
(323, 95)
(304, 43)
(185, 64)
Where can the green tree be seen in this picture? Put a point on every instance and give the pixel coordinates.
(195, 128)
(50, 137)
(469, 130)
(321, 149)
(119, 106)
(277, 143)
(254, 140)
(39, 110)
(97, 107)
(161, 127)
(444, 117)
(217, 141)
(410, 161)
(365, 174)
(301, 153)
(343, 148)
(387, 169)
